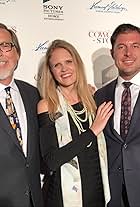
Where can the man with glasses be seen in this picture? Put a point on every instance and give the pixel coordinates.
(6, 46)
(19, 161)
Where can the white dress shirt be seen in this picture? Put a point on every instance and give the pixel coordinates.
(134, 88)
(16, 97)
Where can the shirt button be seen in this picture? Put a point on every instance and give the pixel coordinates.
(125, 145)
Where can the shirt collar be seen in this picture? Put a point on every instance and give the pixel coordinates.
(12, 85)
(135, 80)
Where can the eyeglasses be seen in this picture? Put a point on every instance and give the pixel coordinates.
(6, 46)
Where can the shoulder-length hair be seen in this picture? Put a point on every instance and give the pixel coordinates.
(47, 84)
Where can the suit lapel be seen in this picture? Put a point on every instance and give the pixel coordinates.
(135, 119)
(111, 97)
(29, 114)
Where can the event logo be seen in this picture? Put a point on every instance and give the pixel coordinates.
(100, 36)
(42, 47)
(45, 1)
(53, 11)
(4, 2)
(112, 7)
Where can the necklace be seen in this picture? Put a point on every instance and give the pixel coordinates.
(75, 115)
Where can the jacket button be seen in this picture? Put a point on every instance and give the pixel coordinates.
(27, 193)
(27, 165)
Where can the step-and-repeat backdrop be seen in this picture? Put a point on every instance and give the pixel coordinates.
(87, 24)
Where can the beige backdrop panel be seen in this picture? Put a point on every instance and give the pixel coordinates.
(87, 24)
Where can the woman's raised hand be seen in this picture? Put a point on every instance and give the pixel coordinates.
(103, 114)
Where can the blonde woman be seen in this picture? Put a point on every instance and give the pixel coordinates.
(72, 143)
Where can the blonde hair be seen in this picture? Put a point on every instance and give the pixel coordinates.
(47, 84)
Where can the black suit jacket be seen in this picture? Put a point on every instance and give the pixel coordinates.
(20, 175)
(123, 155)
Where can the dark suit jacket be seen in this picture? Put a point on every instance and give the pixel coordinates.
(20, 175)
(123, 155)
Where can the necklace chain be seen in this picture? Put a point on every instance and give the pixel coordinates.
(75, 115)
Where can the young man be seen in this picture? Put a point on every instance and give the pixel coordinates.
(124, 151)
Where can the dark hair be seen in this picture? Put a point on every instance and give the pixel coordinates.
(123, 28)
(13, 37)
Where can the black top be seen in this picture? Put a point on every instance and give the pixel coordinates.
(54, 157)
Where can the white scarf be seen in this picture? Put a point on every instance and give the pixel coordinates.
(70, 176)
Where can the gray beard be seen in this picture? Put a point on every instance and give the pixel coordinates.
(4, 75)
(7, 73)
